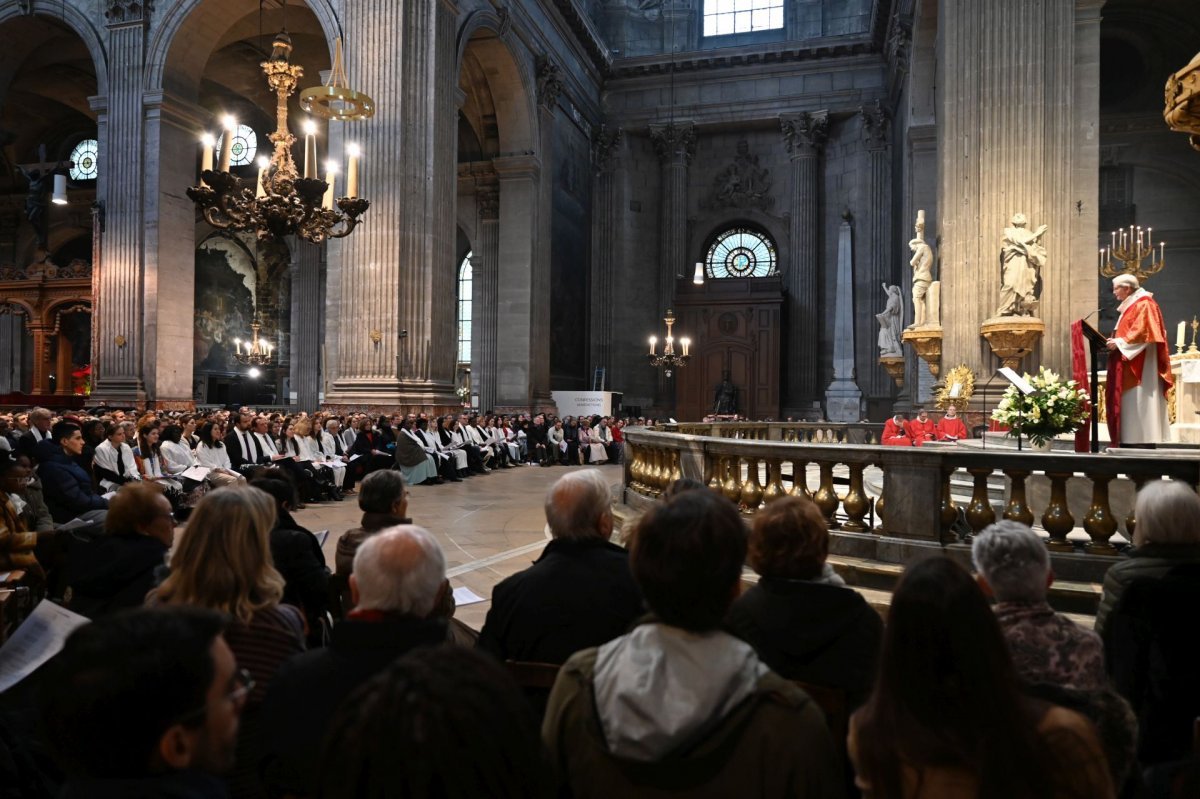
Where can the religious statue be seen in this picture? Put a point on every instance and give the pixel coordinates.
(889, 324)
(742, 184)
(725, 400)
(1022, 258)
(40, 182)
(922, 274)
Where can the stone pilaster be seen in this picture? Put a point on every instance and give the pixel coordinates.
(1016, 106)
(606, 220)
(675, 144)
(804, 135)
(876, 231)
(394, 279)
(306, 328)
(485, 332)
(549, 87)
(11, 336)
(517, 349)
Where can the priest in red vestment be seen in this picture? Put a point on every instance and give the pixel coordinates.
(1139, 368)
(951, 427)
(922, 428)
(895, 432)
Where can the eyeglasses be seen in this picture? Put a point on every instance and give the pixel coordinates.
(243, 684)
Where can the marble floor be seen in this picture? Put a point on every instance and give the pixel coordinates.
(489, 526)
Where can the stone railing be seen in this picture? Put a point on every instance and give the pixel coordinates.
(912, 507)
(799, 432)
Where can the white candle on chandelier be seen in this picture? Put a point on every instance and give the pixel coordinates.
(669, 346)
(330, 174)
(1180, 334)
(653, 341)
(207, 142)
(310, 149)
(686, 342)
(1162, 249)
(230, 125)
(352, 153)
(1113, 233)
(1101, 259)
(263, 163)
(237, 342)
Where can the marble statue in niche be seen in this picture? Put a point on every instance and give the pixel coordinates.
(1022, 259)
(889, 324)
(924, 311)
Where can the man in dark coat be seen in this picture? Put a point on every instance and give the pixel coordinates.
(399, 582)
(578, 594)
(68, 488)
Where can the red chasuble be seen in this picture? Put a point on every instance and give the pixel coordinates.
(952, 429)
(894, 435)
(1140, 323)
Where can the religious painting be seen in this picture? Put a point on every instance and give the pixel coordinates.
(225, 284)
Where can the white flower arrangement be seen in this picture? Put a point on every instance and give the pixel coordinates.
(1056, 406)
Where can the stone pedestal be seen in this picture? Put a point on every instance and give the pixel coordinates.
(1013, 337)
(894, 366)
(927, 341)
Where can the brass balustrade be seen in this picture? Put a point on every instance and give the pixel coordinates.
(1057, 519)
(979, 510)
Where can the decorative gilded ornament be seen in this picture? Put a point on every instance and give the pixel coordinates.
(119, 340)
(964, 378)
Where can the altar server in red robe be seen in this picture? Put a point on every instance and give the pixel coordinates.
(1139, 368)
(895, 432)
(951, 427)
(922, 428)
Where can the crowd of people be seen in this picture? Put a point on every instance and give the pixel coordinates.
(229, 659)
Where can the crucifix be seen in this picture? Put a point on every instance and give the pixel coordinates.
(41, 180)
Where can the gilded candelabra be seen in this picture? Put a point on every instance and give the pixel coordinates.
(669, 358)
(283, 203)
(256, 351)
(1131, 246)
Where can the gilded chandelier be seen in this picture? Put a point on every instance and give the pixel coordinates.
(256, 352)
(284, 202)
(669, 358)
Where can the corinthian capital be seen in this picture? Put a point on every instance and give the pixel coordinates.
(876, 123)
(549, 82)
(674, 141)
(606, 141)
(805, 134)
(488, 200)
(123, 12)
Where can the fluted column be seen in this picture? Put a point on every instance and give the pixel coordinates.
(676, 146)
(395, 282)
(485, 331)
(1018, 102)
(877, 246)
(549, 87)
(804, 135)
(118, 286)
(306, 329)
(606, 220)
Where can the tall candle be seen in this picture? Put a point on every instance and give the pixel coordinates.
(653, 341)
(352, 152)
(330, 174)
(310, 149)
(207, 143)
(1180, 335)
(263, 163)
(227, 141)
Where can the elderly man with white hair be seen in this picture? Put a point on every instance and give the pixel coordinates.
(399, 586)
(1013, 566)
(1139, 368)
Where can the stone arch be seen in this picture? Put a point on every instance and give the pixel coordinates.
(77, 21)
(509, 82)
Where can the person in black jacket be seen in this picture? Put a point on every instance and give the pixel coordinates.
(801, 618)
(68, 488)
(116, 570)
(578, 594)
(298, 557)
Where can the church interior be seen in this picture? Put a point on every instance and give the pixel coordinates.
(546, 180)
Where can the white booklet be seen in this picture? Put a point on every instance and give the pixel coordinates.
(38, 639)
(197, 473)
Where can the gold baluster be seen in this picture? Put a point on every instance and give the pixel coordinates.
(855, 503)
(1099, 522)
(774, 489)
(654, 479)
(949, 513)
(732, 488)
(752, 490)
(800, 479)
(716, 466)
(635, 468)
(676, 470)
(1057, 520)
(1017, 508)
(979, 511)
(826, 497)
(1130, 520)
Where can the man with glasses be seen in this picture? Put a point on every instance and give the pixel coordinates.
(145, 703)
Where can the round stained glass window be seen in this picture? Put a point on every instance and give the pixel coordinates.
(741, 253)
(245, 145)
(84, 156)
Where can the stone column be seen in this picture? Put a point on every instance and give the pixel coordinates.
(1017, 132)
(675, 144)
(877, 247)
(118, 285)
(306, 330)
(804, 135)
(606, 220)
(395, 278)
(10, 350)
(549, 87)
(516, 256)
(485, 332)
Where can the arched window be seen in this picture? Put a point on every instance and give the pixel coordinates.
(84, 156)
(740, 252)
(464, 311)
(245, 145)
(741, 16)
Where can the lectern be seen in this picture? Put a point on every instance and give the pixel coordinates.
(1097, 343)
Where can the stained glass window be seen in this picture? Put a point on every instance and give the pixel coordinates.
(741, 16)
(464, 310)
(741, 252)
(245, 145)
(84, 156)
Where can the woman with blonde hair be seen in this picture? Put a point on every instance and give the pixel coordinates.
(223, 562)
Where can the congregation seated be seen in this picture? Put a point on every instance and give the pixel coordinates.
(25, 491)
(800, 618)
(1167, 535)
(68, 488)
(223, 562)
(116, 570)
(144, 703)
(383, 499)
(677, 706)
(18, 542)
(895, 432)
(39, 420)
(398, 584)
(579, 593)
(922, 429)
(947, 716)
(951, 427)
(441, 722)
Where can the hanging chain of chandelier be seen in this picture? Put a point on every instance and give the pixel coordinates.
(285, 201)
